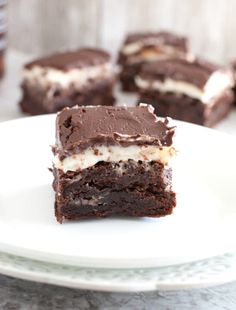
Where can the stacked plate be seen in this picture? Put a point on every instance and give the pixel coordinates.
(190, 248)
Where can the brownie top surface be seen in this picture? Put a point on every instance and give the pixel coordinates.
(80, 58)
(167, 38)
(81, 127)
(196, 72)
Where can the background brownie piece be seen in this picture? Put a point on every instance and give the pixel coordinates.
(112, 160)
(197, 92)
(140, 48)
(82, 77)
(233, 66)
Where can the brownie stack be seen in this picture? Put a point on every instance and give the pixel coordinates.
(140, 48)
(81, 77)
(112, 161)
(197, 91)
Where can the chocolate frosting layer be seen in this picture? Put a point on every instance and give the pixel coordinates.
(81, 127)
(196, 72)
(166, 37)
(81, 58)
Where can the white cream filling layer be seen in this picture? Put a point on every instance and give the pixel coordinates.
(147, 57)
(132, 48)
(149, 54)
(78, 77)
(114, 153)
(216, 84)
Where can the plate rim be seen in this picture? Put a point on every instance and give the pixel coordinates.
(216, 276)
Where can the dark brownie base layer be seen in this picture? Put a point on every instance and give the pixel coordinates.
(127, 188)
(127, 77)
(187, 109)
(234, 90)
(38, 101)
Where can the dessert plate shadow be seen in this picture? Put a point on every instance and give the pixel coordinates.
(202, 225)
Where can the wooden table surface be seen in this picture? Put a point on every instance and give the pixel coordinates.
(45, 26)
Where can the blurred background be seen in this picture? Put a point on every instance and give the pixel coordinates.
(44, 26)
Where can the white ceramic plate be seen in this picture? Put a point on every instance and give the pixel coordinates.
(203, 223)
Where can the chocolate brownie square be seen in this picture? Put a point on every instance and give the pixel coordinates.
(198, 91)
(112, 161)
(81, 77)
(145, 47)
